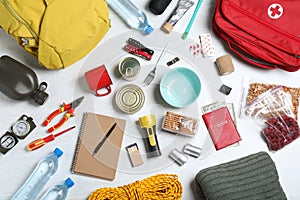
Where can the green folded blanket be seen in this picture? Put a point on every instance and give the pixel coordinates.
(253, 177)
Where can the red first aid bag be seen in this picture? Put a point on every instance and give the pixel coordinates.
(264, 33)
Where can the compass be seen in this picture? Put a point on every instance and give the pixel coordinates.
(7, 142)
(19, 130)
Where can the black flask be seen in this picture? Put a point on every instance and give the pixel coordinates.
(19, 82)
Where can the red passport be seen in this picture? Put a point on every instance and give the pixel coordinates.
(221, 128)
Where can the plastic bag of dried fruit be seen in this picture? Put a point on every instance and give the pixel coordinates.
(273, 110)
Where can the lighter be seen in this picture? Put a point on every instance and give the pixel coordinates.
(148, 123)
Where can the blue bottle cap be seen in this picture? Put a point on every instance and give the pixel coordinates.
(58, 152)
(69, 183)
(148, 30)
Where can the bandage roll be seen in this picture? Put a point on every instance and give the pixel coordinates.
(225, 65)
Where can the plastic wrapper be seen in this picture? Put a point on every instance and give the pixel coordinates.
(273, 110)
(180, 124)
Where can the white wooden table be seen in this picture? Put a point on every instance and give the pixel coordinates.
(68, 84)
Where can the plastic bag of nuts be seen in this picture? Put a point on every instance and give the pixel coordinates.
(274, 111)
(252, 88)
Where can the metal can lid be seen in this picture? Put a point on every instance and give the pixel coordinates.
(130, 98)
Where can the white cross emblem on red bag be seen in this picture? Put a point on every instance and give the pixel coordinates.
(275, 11)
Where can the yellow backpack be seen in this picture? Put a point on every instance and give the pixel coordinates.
(58, 32)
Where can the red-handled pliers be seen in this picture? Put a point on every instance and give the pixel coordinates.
(65, 107)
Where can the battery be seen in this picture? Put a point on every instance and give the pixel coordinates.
(192, 150)
(178, 157)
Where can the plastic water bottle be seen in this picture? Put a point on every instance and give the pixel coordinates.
(39, 177)
(58, 192)
(133, 16)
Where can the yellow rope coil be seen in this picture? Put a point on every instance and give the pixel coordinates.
(161, 186)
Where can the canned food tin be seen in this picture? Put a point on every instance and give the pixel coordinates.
(130, 98)
(129, 68)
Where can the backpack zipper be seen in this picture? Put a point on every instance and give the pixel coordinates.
(20, 19)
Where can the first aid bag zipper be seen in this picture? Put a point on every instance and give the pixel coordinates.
(277, 31)
(21, 20)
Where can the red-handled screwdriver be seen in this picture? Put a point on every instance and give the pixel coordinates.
(42, 141)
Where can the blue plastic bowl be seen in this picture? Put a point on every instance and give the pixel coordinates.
(180, 87)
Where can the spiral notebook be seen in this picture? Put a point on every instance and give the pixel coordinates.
(98, 147)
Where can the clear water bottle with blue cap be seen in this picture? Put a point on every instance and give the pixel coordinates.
(58, 192)
(132, 15)
(39, 177)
